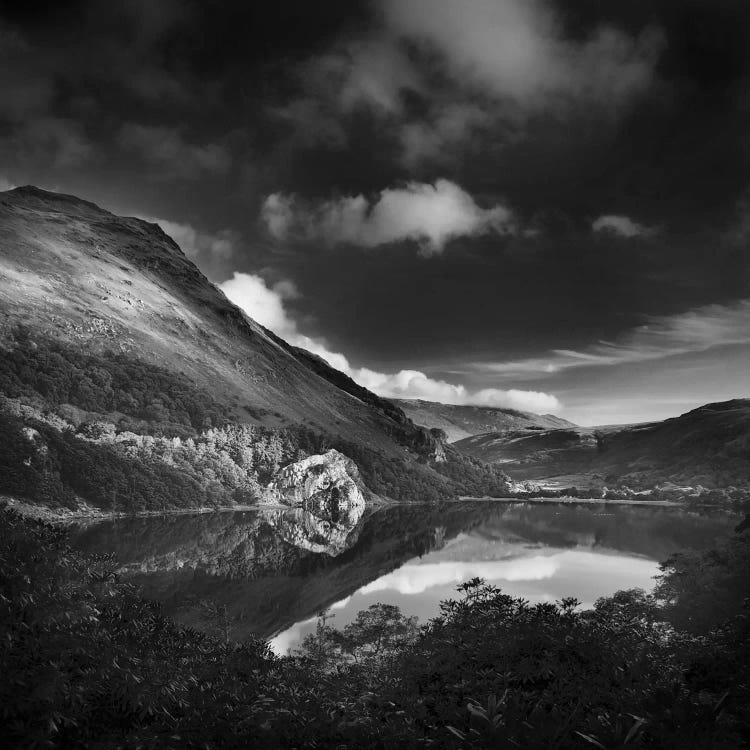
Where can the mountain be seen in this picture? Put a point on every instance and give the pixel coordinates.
(460, 422)
(708, 446)
(128, 379)
(77, 274)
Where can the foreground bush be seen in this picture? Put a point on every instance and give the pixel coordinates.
(86, 663)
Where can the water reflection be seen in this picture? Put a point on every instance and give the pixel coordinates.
(320, 535)
(420, 586)
(270, 573)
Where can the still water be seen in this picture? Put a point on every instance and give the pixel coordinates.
(270, 573)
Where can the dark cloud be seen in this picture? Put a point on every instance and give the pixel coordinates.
(170, 154)
(614, 134)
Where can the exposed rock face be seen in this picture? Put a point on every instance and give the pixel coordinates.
(329, 488)
(441, 438)
(327, 485)
(430, 444)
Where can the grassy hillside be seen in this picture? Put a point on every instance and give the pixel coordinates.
(76, 274)
(459, 422)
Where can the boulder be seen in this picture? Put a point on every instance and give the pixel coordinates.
(328, 485)
(331, 498)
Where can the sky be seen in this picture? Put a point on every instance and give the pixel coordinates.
(538, 204)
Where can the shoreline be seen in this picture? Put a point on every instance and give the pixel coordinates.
(92, 515)
(54, 515)
(573, 501)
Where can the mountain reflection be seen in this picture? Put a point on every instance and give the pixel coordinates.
(262, 572)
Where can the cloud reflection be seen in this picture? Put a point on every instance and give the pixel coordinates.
(414, 579)
(418, 588)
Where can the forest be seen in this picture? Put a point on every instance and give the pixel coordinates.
(87, 663)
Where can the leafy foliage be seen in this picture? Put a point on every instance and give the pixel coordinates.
(86, 662)
(473, 476)
(702, 590)
(377, 632)
(128, 472)
(56, 373)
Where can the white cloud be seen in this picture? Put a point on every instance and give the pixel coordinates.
(428, 214)
(194, 243)
(263, 304)
(623, 226)
(516, 50)
(266, 305)
(171, 154)
(689, 332)
(5, 184)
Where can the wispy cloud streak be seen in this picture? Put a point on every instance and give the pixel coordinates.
(694, 331)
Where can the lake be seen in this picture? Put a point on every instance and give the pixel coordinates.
(270, 573)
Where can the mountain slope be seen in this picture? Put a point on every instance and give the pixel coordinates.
(709, 446)
(124, 368)
(462, 421)
(76, 273)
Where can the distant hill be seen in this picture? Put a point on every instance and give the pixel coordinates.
(459, 422)
(129, 380)
(708, 446)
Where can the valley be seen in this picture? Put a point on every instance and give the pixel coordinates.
(374, 375)
(707, 447)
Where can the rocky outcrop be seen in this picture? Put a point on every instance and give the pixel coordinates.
(430, 444)
(327, 485)
(438, 451)
(330, 491)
